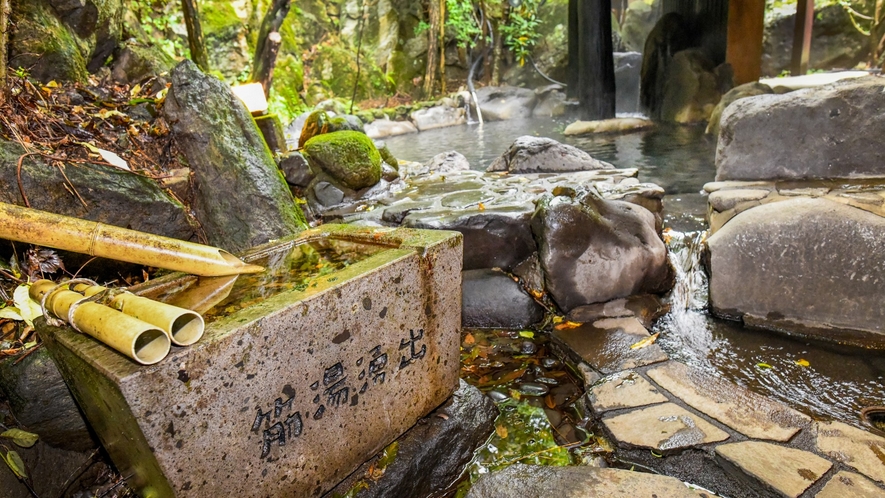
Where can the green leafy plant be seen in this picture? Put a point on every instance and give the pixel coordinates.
(521, 30)
(461, 22)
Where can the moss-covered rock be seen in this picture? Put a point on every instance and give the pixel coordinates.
(348, 156)
(316, 123)
(388, 157)
(135, 62)
(40, 42)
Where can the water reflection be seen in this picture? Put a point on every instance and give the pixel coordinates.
(678, 158)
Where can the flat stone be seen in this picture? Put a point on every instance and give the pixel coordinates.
(287, 393)
(722, 200)
(711, 187)
(523, 481)
(749, 413)
(804, 192)
(491, 298)
(850, 485)
(605, 344)
(853, 447)
(787, 470)
(864, 197)
(625, 389)
(666, 427)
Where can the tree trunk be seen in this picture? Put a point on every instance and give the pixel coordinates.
(573, 39)
(442, 47)
(877, 34)
(4, 49)
(195, 34)
(596, 72)
(497, 53)
(432, 49)
(268, 44)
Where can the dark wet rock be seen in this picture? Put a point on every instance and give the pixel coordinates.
(348, 156)
(42, 403)
(528, 347)
(438, 117)
(820, 133)
(530, 274)
(530, 154)
(49, 469)
(751, 89)
(536, 481)
(296, 169)
(593, 250)
(647, 308)
(828, 286)
(240, 197)
(497, 396)
(550, 362)
(533, 389)
(327, 194)
(113, 196)
(433, 453)
(505, 102)
(605, 345)
(494, 237)
(492, 299)
(628, 66)
(135, 62)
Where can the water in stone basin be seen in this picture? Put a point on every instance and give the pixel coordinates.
(837, 382)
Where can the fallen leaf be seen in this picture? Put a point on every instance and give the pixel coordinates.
(469, 339)
(528, 334)
(648, 341)
(763, 365)
(558, 319)
(16, 464)
(548, 400)
(482, 207)
(22, 438)
(802, 362)
(501, 431)
(568, 325)
(27, 307)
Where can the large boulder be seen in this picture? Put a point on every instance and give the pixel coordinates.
(505, 102)
(440, 116)
(801, 265)
(692, 88)
(639, 20)
(383, 128)
(814, 133)
(112, 196)
(594, 250)
(750, 89)
(427, 459)
(491, 298)
(530, 154)
(349, 157)
(240, 195)
(835, 42)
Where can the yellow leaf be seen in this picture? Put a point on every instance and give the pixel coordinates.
(16, 464)
(528, 334)
(763, 365)
(482, 207)
(501, 431)
(558, 319)
(22, 438)
(28, 308)
(802, 362)
(648, 341)
(469, 340)
(568, 325)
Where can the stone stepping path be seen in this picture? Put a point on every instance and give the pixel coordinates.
(786, 470)
(850, 485)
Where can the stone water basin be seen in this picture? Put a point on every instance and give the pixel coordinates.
(303, 373)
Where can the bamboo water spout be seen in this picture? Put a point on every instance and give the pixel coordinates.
(96, 239)
(144, 343)
(184, 327)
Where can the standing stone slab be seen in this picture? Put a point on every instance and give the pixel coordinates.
(289, 394)
(666, 427)
(853, 447)
(850, 485)
(749, 413)
(819, 133)
(787, 470)
(241, 197)
(625, 389)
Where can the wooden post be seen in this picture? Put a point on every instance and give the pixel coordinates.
(4, 49)
(195, 34)
(746, 22)
(802, 37)
(596, 73)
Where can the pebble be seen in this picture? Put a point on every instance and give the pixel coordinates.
(528, 347)
(547, 380)
(549, 362)
(532, 389)
(498, 396)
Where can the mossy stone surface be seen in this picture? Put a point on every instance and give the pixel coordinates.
(40, 42)
(348, 156)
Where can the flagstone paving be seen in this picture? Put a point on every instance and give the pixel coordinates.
(605, 344)
(853, 447)
(850, 485)
(664, 427)
(787, 470)
(625, 389)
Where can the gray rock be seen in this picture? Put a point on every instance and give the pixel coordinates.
(537, 481)
(530, 154)
(593, 250)
(296, 169)
(691, 88)
(327, 194)
(438, 117)
(42, 403)
(639, 19)
(382, 128)
(628, 66)
(444, 162)
(815, 133)
(135, 63)
(505, 102)
(801, 265)
(113, 196)
(432, 454)
(499, 237)
(530, 274)
(490, 298)
(551, 104)
(241, 198)
(739, 92)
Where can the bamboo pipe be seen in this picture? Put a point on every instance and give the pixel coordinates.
(204, 294)
(144, 343)
(96, 239)
(184, 327)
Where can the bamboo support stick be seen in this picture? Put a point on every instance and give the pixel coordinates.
(144, 343)
(96, 239)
